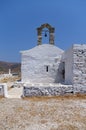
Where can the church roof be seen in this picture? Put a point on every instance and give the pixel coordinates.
(43, 50)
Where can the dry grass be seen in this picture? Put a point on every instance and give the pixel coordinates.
(43, 98)
(1, 97)
(10, 79)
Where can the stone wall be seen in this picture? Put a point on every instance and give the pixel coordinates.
(79, 67)
(29, 91)
(75, 67)
(67, 58)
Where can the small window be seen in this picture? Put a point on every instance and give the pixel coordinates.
(47, 68)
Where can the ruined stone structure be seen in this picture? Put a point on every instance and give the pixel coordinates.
(50, 65)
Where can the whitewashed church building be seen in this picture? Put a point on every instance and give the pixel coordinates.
(46, 63)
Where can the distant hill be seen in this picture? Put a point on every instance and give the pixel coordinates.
(5, 66)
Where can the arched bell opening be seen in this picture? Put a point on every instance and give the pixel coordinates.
(51, 33)
(45, 35)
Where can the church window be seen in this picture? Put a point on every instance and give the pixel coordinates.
(63, 70)
(47, 68)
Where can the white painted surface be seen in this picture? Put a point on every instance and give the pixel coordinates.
(68, 59)
(3, 91)
(36, 60)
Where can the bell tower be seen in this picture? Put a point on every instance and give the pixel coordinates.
(51, 33)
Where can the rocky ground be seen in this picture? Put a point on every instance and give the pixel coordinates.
(54, 113)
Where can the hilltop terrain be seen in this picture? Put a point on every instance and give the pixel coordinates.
(5, 66)
(15, 69)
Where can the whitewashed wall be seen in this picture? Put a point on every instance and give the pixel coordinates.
(68, 59)
(3, 90)
(34, 62)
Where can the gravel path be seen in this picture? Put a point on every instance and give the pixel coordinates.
(56, 113)
(15, 92)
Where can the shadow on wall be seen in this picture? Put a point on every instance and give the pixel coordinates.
(60, 75)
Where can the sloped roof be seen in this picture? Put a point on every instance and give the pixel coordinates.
(43, 50)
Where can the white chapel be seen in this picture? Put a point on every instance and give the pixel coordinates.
(46, 63)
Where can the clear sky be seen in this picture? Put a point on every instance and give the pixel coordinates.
(20, 18)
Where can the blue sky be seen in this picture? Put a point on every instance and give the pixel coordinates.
(20, 18)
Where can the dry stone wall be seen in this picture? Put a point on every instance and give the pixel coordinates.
(29, 91)
(79, 67)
